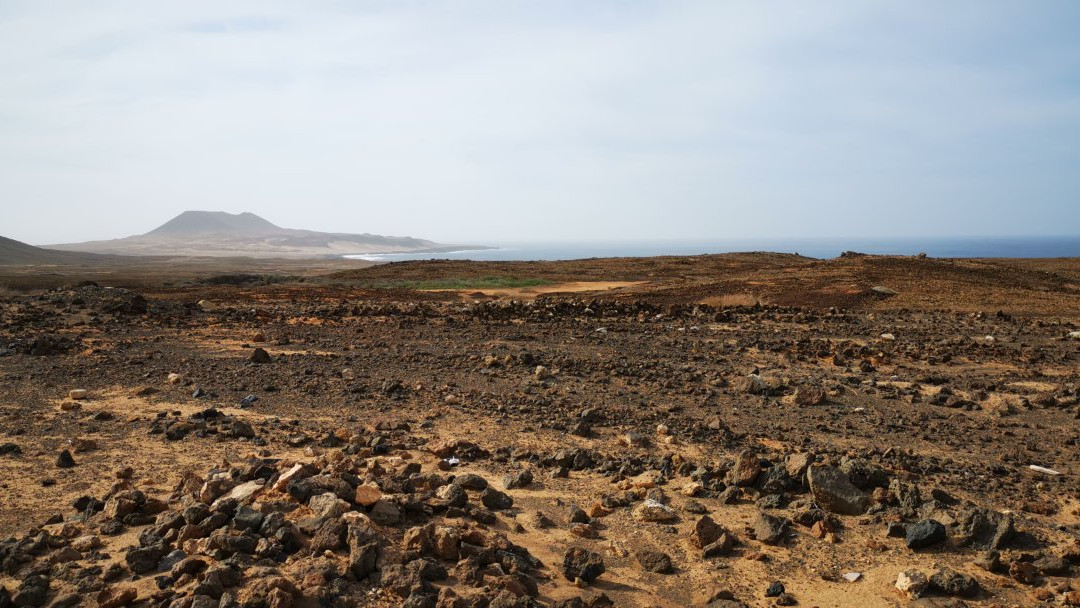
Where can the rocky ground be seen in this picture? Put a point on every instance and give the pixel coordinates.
(272, 446)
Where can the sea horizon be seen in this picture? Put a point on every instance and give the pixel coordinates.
(821, 248)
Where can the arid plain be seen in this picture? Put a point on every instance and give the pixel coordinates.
(745, 429)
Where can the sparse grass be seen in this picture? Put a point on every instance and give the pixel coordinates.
(454, 283)
(249, 280)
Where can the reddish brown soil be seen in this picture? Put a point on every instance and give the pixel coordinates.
(939, 406)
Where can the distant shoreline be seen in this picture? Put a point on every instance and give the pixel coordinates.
(380, 257)
(823, 248)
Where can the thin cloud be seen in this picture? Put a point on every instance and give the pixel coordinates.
(516, 120)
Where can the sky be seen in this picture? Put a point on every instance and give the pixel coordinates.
(474, 121)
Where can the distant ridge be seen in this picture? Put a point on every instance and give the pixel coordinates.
(221, 234)
(14, 252)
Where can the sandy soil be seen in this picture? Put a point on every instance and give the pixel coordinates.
(909, 390)
(529, 293)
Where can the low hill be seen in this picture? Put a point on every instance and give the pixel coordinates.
(216, 222)
(696, 268)
(1044, 286)
(220, 234)
(14, 252)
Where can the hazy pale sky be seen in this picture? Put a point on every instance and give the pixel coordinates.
(495, 120)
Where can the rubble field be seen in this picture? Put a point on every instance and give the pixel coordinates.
(725, 431)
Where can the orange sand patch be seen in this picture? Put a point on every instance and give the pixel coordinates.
(526, 293)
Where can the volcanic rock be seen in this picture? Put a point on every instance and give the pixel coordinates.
(769, 529)
(924, 534)
(654, 561)
(259, 355)
(834, 492)
(579, 563)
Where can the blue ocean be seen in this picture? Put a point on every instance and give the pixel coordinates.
(967, 247)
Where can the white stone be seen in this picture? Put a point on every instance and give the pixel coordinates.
(651, 510)
(243, 492)
(288, 476)
(912, 583)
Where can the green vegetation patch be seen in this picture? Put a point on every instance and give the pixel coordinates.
(249, 280)
(455, 283)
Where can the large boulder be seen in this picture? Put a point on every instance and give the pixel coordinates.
(984, 529)
(707, 531)
(775, 480)
(655, 561)
(864, 475)
(796, 465)
(769, 529)
(924, 534)
(950, 582)
(907, 497)
(363, 551)
(834, 492)
(810, 395)
(746, 469)
(496, 500)
(579, 563)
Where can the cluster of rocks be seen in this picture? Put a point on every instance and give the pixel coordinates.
(537, 310)
(209, 421)
(819, 496)
(42, 345)
(91, 296)
(270, 534)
